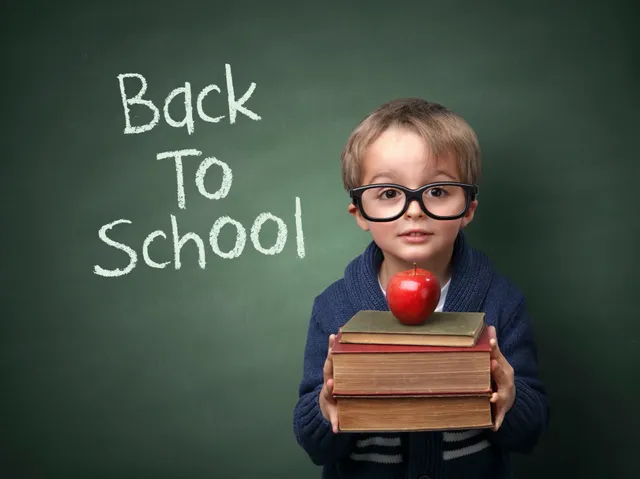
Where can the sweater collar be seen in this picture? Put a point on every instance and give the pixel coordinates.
(470, 279)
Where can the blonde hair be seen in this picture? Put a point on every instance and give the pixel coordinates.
(443, 131)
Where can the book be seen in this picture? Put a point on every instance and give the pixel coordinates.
(414, 413)
(392, 369)
(455, 329)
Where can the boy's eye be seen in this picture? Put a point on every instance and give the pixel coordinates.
(389, 194)
(436, 192)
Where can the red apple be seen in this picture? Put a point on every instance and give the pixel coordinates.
(413, 295)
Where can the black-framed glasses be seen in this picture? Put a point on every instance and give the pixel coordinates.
(445, 200)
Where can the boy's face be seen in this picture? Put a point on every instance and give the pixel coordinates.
(401, 156)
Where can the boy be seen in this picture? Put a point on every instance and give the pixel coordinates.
(403, 146)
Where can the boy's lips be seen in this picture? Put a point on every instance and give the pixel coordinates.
(415, 235)
(415, 232)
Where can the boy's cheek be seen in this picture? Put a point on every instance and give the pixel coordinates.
(382, 233)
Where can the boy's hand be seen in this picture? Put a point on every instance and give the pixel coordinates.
(502, 374)
(328, 404)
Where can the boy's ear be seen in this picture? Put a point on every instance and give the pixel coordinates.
(362, 223)
(468, 217)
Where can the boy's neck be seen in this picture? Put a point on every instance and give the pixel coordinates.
(441, 267)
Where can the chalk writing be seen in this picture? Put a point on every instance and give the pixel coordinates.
(179, 238)
(234, 105)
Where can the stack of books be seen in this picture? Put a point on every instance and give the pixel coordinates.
(392, 377)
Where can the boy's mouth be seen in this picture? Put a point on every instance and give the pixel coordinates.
(415, 233)
(415, 236)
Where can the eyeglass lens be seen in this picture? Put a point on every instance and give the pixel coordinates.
(386, 202)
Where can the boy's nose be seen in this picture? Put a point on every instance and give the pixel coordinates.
(414, 210)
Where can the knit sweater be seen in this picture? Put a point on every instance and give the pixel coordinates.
(469, 454)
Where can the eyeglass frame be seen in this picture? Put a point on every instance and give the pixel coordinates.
(471, 191)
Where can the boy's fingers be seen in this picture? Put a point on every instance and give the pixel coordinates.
(498, 414)
(330, 388)
(493, 341)
(492, 333)
(328, 363)
(498, 374)
(499, 418)
(334, 421)
(495, 351)
(327, 370)
(495, 399)
(495, 348)
(328, 392)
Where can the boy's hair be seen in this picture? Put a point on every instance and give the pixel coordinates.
(442, 130)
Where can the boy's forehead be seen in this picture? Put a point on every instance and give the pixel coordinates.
(400, 154)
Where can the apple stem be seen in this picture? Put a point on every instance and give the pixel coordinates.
(414, 269)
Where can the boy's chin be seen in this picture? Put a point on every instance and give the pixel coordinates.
(410, 255)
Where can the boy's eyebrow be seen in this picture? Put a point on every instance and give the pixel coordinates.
(389, 175)
(383, 174)
(444, 173)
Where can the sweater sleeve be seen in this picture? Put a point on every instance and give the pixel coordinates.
(524, 423)
(313, 432)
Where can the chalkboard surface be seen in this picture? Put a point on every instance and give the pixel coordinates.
(155, 303)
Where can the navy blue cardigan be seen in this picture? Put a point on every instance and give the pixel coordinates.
(475, 286)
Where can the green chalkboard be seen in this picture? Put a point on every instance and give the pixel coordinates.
(155, 308)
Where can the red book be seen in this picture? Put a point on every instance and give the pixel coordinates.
(410, 370)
